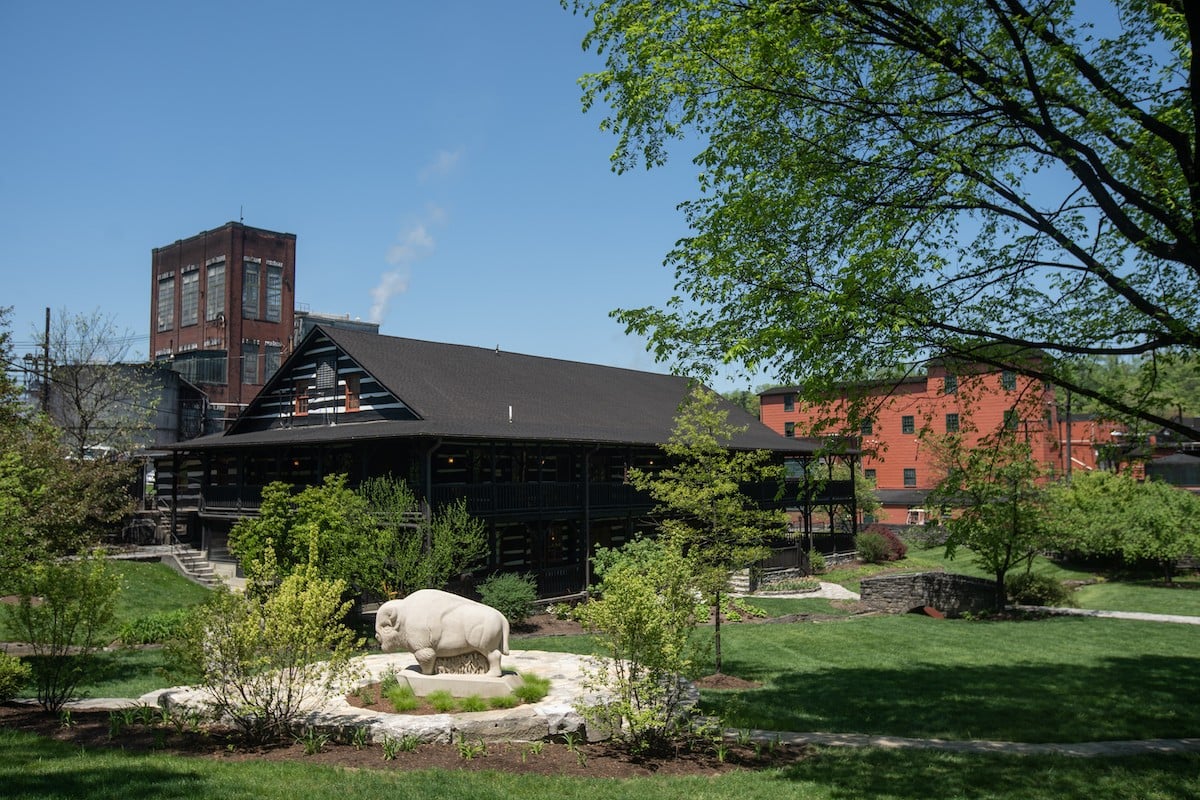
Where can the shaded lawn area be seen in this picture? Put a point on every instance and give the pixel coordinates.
(1051, 680)
(129, 673)
(40, 768)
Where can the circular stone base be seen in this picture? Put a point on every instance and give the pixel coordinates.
(555, 715)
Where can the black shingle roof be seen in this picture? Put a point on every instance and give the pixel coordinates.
(466, 392)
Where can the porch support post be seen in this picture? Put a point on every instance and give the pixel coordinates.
(174, 494)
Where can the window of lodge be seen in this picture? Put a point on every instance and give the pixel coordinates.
(302, 398)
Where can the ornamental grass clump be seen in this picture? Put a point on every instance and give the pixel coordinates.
(402, 697)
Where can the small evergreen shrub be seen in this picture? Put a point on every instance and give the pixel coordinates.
(1034, 589)
(816, 563)
(14, 674)
(511, 594)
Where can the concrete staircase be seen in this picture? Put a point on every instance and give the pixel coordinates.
(739, 582)
(194, 566)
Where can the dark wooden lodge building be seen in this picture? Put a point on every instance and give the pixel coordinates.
(538, 447)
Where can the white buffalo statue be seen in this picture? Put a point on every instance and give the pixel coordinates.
(433, 624)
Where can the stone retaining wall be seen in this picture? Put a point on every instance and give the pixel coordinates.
(948, 593)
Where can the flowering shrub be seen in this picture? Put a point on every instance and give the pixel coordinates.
(876, 544)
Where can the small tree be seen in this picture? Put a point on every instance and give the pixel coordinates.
(263, 655)
(643, 613)
(94, 398)
(995, 487)
(421, 552)
(52, 506)
(64, 610)
(701, 501)
(318, 527)
(375, 538)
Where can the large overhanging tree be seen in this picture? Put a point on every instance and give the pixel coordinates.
(1006, 181)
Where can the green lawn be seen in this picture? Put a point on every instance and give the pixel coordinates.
(1062, 679)
(783, 606)
(148, 588)
(39, 769)
(151, 588)
(1153, 597)
(1059, 679)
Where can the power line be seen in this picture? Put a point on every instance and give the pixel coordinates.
(125, 340)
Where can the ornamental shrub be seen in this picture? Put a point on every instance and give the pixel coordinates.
(872, 547)
(262, 655)
(876, 544)
(1035, 589)
(14, 674)
(64, 610)
(511, 594)
(643, 621)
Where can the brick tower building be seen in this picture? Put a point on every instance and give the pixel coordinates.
(222, 309)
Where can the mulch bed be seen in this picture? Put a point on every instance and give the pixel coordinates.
(92, 730)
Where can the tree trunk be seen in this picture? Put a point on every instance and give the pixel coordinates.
(1001, 598)
(717, 630)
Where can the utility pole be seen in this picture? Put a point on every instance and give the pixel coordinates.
(46, 364)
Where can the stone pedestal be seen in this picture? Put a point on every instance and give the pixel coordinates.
(458, 684)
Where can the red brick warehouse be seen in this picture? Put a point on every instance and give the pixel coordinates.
(973, 400)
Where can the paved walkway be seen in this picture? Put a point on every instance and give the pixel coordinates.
(976, 746)
(1141, 616)
(829, 591)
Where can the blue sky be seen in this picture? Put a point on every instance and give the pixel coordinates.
(432, 159)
